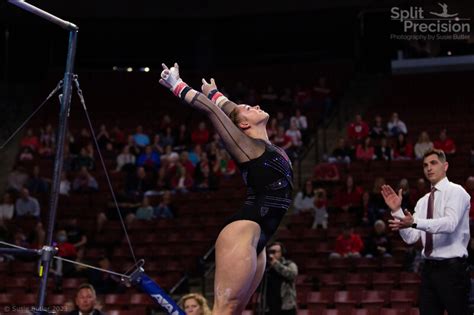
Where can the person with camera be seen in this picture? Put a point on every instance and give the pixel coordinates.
(280, 290)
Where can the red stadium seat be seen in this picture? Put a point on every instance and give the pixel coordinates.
(318, 301)
(402, 299)
(347, 300)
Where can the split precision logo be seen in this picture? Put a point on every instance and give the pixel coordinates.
(414, 20)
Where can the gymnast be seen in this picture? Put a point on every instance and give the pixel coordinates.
(268, 176)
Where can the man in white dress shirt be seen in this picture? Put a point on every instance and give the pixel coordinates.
(441, 220)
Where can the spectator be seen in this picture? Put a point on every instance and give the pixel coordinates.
(349, 198)
(282, 140)
(6, 208)
(141, 139)
(406, 200)
(395, 126)
(166, 208)
(85, 301)
(84, 160)
(65, 250)
(282, 120)
(304, 200)
(149, 159)
(103, 282)
(183, 138)
(132, 145)
(423, 145)
(186, 162)
(301, 122)
(227, 166)
(84, 182)
(357, 130)
(326, 173)
(403, 148)
(348, 244)
(83, 139)
(378, 243)
(195, 154)
(205, 174)
(365, 151)
(26, 205)
(157, 144)
(165, 123)
(103, 137)
(445, 143)
(280, 295)
(26, 154)
(376, 207)
(320, 212)
(169, 155)
(168, 137)
(144, 212)
(17, 179)
(272, 128)
(37, 184)
(64, 185)
(201, 134)
(419, 191)
(182, 181)
(125, 160)
(342, 153)
(118, 138)
(378, 131)
(47, 142)
(76, 237)
(295, 135)
(137, 184)
(30, 140)
(383, 152)
(194, 304)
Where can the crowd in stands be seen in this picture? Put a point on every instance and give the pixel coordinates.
(154, 161)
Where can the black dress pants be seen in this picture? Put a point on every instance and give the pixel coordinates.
(445, 285)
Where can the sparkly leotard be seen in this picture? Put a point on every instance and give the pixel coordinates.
(266, 170)
(269, 181)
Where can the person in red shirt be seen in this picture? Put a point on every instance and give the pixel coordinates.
(349, 197)
(201, 134)
(357, 130)
(445, 143)
(366, 151)
(348, 244)
(30, 140)
(326, 172)
(403, 149)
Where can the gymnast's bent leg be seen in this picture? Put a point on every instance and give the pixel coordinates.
(236, 266)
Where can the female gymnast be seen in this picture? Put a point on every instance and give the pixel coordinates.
(268, 175)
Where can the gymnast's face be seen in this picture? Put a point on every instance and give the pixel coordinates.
(251, 115)
(192, 307)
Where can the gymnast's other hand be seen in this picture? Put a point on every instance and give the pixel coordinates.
(170, 77)
(207, 88)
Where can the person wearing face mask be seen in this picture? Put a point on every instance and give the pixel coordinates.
(194, 304)
(441, 221)
(279, 285)
(65, 250)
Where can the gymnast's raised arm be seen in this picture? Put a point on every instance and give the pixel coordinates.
(240, 146)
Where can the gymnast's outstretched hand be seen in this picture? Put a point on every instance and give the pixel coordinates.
(170, 77)
(207, 88)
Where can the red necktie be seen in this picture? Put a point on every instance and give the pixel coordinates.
(429, 215)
